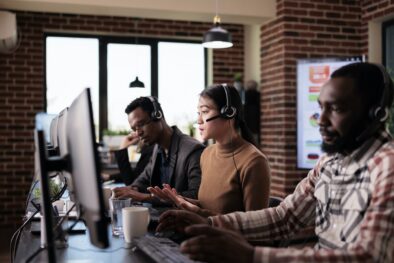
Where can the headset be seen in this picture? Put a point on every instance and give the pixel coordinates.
(228, 111)
(156, 114)
(379, 113)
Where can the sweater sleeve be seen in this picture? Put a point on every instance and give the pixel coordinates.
(255, 183)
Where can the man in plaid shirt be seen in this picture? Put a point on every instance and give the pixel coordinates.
(348, 196)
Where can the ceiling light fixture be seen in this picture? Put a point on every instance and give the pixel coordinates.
(217, 37)
(136, 83)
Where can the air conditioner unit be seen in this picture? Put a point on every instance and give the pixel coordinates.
(8, 32)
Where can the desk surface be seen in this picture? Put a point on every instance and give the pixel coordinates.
(79, 250)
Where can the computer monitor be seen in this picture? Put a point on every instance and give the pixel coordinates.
(61, 132)
(53, 133)
(83, 164)
(85, 168)
(44, 121)
(63, 151)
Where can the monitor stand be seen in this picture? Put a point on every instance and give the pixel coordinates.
(45, 166)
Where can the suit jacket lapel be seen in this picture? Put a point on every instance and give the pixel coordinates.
(173, 152)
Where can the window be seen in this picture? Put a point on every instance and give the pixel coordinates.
(125, 63)
(170, 69)
(71, 65)
(181, 79)
(388, 59)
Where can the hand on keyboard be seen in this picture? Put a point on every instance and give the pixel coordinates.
(161, 249)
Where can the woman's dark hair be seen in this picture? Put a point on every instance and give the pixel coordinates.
(218, 95)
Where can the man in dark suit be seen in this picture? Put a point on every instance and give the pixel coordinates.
(175, 159)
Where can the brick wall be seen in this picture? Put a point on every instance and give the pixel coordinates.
(373, 10)
(22, 86)
(303, 29)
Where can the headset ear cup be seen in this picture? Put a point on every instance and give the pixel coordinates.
(156, 115)
(381, 114)
(231, 112)
(228, 112)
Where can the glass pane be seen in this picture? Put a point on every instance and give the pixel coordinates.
(71, 65)
(125, 63)
(181, 79)
(389, 30)
(390, 49)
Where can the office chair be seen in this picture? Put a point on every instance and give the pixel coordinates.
(274, 201)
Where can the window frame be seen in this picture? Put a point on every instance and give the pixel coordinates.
(103, 72)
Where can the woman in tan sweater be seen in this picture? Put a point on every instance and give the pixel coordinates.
(235, 174)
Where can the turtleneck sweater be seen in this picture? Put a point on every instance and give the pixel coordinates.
(234, 177)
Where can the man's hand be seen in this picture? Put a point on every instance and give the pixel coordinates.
(126, 191)
(130, 139)
(105, 176)
(212, 244)
(178, 220)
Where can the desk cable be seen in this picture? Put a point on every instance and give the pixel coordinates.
(16, 236)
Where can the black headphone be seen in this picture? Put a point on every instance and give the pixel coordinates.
(227, 111)
(379, 113)
(156, 114)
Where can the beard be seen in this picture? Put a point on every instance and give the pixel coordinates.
(345, 143)
(338, 146)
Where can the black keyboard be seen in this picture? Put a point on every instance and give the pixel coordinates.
(161, 249)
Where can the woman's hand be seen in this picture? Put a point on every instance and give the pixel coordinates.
(169, 194)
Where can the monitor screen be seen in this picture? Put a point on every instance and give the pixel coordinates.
(63, 151)
(85, 168)
(44, 121)
(53, 132)
(61, 132)
(311, 75)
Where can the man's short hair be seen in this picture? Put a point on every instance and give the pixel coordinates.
(145, 104)
(369, 80)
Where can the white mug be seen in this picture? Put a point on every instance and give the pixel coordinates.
(135, 222)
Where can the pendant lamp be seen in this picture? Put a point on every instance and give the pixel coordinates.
(136, 83)
(217, 37)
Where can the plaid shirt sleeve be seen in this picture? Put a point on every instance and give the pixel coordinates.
(295, 212)
(374, 243)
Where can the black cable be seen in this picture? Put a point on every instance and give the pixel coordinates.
(15, 237)
(31, 191)
(34, 254)
(59, 224)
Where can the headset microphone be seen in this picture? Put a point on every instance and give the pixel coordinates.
(213, 118)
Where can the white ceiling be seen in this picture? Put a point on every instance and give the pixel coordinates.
(231, 11)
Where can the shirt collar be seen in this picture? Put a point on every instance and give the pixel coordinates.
(366, 150)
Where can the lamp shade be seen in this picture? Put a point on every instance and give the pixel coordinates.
(217, 37)
(136, 84)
